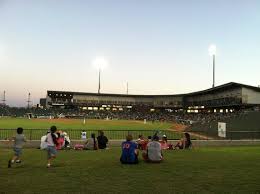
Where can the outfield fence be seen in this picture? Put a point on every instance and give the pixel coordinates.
(75, 134)
(237, 135)
(230, 134)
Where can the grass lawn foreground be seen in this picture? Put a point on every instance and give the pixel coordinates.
(202, 170)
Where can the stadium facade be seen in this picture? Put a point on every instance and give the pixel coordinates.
(227, 97)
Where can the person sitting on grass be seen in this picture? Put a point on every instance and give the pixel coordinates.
(91, 143)
(66, 140)
(102, 140)
(164, 143)
(154, 151)
(141, 142)
(43, 144)
(184, 143)
(60, 141)
(129, 151)
(51, 140)
(19, 140)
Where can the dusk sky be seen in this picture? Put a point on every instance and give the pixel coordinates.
(158, 47)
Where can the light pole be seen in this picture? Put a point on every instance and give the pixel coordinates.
(29, 100)
(99, 80)
(212, 52)
(99, 63)
(4, 100)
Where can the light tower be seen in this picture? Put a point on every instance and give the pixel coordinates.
(4, 100)
(212, 52)
(99, 63)
(29, 100)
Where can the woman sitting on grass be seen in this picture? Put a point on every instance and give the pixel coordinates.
(164, 143)
(141, 142)
(60, 141)
(184, 143)
(91, 143)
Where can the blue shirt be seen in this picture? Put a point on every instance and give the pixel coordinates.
(128, 152)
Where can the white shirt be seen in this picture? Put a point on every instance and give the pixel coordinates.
(154, 151)
(84, 135)
(90, 144)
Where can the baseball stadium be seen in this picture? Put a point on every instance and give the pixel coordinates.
(113, 97)
(118, 115)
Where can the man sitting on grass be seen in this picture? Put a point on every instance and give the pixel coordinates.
(129, 151)
(102, 140)
(154, 151)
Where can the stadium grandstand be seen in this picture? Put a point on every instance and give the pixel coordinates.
(235, 104)
(224, 98)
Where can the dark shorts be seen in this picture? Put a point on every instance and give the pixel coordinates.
(51, 150)
(18, 152)
(129, 162)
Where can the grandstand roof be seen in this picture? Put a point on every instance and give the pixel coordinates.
(210, 90)
(224, 87)
(111, 94)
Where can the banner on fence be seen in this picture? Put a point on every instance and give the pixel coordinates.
(221, 129)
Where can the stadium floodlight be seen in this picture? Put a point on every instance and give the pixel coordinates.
(100, 63)
(212, 52)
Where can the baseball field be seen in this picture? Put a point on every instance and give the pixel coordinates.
(93, 124)
(114, 129)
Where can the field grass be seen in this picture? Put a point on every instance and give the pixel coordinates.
(114, 129)
(202, 170)
(91, 124)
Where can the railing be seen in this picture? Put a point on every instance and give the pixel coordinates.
(75, 134)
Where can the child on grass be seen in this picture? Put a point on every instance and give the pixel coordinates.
(19, 140)
(51, 140)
